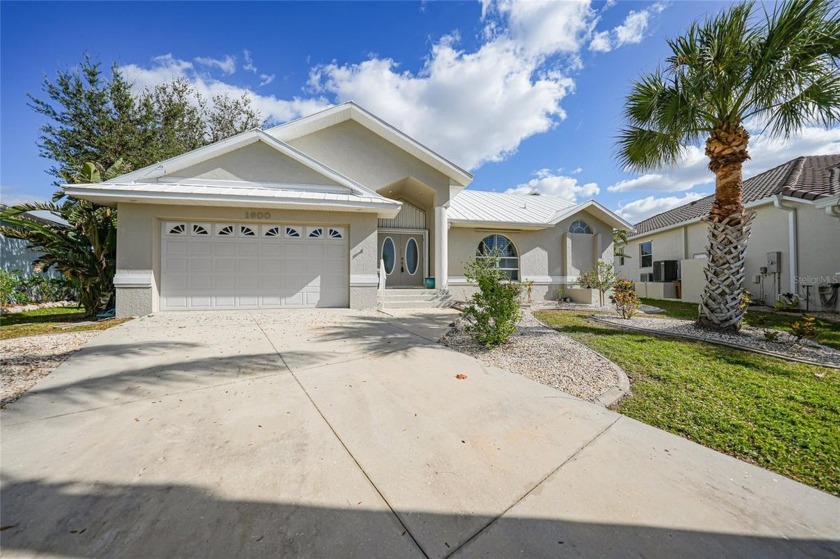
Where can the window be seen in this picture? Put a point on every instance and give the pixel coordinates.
(272, 231)
(246, 231)
(580, 226)
(499, 246)
(336, 233)
(225, 231)
(292, 232)
(316, 233)
(646, 254)
(621, 261)
(178, 229)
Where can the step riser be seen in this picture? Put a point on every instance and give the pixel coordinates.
(417, 305)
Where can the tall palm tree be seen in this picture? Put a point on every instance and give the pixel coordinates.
(777, 71)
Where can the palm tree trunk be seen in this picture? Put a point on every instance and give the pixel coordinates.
(721, 303)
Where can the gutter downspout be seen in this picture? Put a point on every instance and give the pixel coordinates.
(793, 240)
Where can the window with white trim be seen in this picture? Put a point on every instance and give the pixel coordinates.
(581, 227)
(646, 254)
(501, 248)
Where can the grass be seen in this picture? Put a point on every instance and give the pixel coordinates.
(829, 332)
(780, 415)
(49, 321)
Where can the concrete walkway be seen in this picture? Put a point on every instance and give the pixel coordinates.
(345, 434)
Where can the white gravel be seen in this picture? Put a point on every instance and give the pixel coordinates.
(26, 360)
(747, 337)
(546, 356)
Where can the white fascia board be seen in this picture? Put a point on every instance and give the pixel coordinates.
(191, 157)
(498, 225)
(384, 210)
(611, 218)
(248, 185)
(829, 202)
(351, 111)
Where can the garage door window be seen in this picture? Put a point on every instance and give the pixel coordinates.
(224, 230)
(292, 232)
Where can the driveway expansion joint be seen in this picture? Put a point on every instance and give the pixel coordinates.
(531, 490)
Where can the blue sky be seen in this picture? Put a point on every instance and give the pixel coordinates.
(526, 94)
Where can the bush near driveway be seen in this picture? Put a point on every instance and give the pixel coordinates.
(494, 308)
(780, 415)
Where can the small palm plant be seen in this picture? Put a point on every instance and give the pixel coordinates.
(779, 71)
(81, 243)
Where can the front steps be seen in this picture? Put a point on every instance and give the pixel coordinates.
(414, 299)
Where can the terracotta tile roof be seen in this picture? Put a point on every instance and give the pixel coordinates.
(809, 177)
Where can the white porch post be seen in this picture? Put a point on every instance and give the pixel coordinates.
(441, 248)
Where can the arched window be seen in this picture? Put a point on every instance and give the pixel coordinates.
(580, 226)
(499, 246)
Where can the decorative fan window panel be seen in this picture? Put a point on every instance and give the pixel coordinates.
(581, 227)
(503, 251)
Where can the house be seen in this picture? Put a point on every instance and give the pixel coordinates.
(315, 212)
(15, 254)
(794, 246)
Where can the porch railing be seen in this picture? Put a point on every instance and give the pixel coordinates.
(382, 275)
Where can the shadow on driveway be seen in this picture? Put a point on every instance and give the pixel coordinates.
(94, 520)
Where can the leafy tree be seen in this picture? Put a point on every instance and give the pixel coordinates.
(778, 70)
(601, 277)
(95, 117)
(620, 240)
(625, 298)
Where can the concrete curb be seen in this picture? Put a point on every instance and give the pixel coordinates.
(715, 342)
(614, 393)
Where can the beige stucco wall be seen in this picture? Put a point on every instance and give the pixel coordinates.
(819, 250)
(257, 163)
(139, 238)
(542, 254)
(355, 151)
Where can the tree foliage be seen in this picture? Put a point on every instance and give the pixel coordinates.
(494, 308)
(95, 117)
(601, 277)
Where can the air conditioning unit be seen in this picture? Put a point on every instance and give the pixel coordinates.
(646, 277)
(666, 270)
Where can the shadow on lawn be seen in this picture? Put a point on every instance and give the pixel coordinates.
(149, 520)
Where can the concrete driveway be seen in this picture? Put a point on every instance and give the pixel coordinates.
(345, 434)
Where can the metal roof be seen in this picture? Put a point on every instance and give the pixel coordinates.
(495, 207)
(808, 177)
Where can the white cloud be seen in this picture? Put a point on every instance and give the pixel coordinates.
(475, 107)
(266, 79)
(227, 64)
(765, 152)
(13, 195)
(639, 210)
(629, 32)
(167, 67)
(248, 66)
(546, 182)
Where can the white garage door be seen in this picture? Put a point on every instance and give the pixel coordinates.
(249, 266)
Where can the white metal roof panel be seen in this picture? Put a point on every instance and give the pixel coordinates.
(488, 207)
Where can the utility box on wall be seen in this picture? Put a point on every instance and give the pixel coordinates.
(774, 262)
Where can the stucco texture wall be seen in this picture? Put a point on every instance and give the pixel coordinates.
(139, 239)
(543, 256)
(257, 163)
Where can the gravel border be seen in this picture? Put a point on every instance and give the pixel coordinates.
(546, 356)
(747, 339)
(26, 360)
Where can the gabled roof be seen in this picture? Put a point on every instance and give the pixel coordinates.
(183, 161)
(810, 177)
(477, 208)
(351, 111)
(154, 184)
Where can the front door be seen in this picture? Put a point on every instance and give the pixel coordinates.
(402, 255)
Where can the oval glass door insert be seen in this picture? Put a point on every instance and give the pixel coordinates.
(389, 255)
(412, 256)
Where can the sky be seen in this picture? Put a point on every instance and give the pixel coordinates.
(526, 94)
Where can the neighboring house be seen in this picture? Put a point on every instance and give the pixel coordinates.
(795, 240)
(15, 254)
(302, 215)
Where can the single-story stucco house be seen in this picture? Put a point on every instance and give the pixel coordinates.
(15, 254)
(794, 246)
(314, 212)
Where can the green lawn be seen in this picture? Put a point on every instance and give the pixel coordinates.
(49, 321)
(780, 415)
(829, 332)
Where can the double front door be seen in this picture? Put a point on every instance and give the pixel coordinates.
(402, 257)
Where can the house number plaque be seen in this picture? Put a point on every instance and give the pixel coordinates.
(257, 215)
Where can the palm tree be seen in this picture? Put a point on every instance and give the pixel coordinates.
(81, 244)
(777, 71)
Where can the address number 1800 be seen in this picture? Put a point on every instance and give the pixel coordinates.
(257, 215)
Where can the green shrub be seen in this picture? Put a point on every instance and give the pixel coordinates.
(601, 277)
(19, 289)
(494, 308)
(806, 328)
(625, 298)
